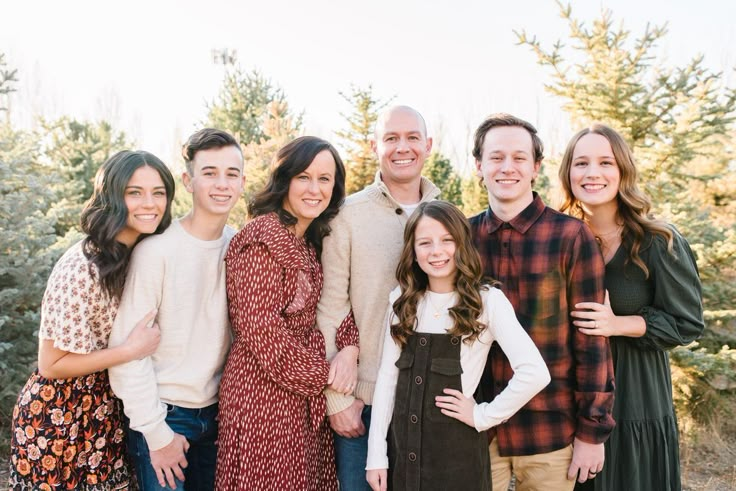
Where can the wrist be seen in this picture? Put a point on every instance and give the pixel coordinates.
(351, 350)
(120, 354)
(633, 326)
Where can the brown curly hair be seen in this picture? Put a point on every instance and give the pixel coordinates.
(414, 281)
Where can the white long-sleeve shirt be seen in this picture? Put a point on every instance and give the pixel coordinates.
(530, 372)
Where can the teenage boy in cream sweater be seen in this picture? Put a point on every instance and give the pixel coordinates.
(171, 397)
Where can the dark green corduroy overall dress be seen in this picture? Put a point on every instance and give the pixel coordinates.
(428, 450)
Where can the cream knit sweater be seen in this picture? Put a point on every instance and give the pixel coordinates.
(184, 278)
(359, 260)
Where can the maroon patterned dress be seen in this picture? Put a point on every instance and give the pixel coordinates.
(273, 433)
(68, 434)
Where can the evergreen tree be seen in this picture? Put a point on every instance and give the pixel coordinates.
(361, 162)
(474, 196)
(259, 116)
(75, 150)
(245, 107)
(27, 253)
(7, 80)
(439, 170)
(677, 120)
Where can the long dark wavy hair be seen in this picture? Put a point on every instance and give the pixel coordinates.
(291, 160)
(634, 205)
(105, 215)
(414, 282)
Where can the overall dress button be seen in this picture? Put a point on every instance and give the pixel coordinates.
(423, 341)
(418, 380)
(399, 211)
(455, 340)
(412, 456)
(413, 418)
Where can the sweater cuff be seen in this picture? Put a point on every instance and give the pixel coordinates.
(337, 402)
(160, 436)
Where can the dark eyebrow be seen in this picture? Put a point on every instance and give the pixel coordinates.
(608, 157)
(210, 167)
(141, 187)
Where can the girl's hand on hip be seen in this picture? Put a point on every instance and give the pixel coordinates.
(456, 405)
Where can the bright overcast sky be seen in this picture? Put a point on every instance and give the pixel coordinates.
(147, 65)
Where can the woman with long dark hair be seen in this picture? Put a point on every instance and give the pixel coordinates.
(273, 430)
(653, 303)
(67, 430)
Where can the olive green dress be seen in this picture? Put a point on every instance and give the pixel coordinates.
(642, 453)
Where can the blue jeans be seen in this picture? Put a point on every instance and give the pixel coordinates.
(199, 426)
(351, 455)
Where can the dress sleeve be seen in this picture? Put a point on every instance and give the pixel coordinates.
(675, 317)
(347, 333)
(384, 397)
(67, 313)
(334, 311)
(594, 386)
(254, 293)
(530, 372)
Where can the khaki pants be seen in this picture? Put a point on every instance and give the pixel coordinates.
(540, 472)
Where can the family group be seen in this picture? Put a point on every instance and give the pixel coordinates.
(376, 341)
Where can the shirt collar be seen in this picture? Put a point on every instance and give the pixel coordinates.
(521, 222)
(426, 188)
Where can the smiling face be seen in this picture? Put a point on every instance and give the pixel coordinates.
(594, 173)
(434, 249)
(401, 145)
(145, 200)
(507, 167)
(311, 190)
(216, 181)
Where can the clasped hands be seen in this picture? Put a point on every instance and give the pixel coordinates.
(343, 375)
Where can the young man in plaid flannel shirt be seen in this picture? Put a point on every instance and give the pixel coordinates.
(547, 262)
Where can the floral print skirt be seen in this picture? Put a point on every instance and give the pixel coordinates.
(68, 434)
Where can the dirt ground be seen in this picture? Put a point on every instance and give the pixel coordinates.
(702, 477)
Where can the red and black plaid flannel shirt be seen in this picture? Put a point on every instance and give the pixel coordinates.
(547, 262)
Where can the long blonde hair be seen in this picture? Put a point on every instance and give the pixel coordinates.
(633, 204)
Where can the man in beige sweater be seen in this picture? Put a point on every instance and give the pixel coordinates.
(171, 397)
(359, 259)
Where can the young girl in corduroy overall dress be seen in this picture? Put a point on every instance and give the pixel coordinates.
(427, 432)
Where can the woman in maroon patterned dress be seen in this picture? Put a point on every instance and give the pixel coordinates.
(273, 433)
(67, 430)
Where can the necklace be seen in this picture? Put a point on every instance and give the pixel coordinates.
(437, 312)
(613, 233)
